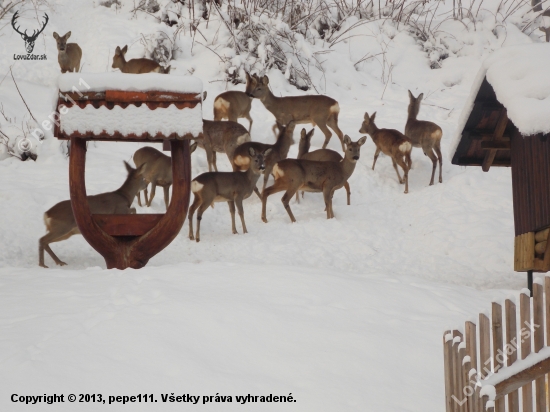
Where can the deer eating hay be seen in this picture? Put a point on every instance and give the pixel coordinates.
(60, 222)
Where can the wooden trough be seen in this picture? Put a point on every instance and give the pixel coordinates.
(127, 241)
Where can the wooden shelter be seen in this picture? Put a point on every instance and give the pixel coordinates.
(488, 139)
(142, 114)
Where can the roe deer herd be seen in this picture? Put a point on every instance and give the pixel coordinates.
(323, 170)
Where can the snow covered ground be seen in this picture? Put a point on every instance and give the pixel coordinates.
(343, 314)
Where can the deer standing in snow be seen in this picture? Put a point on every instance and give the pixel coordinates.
(323, 155)
(158, 172)
(424, 134)
(230, 187)
(60, 222)
(279, 151)
(393, 144)
(69, 54)
(233, 104)
(221, 137)
(318, 110)
(136, 66)
(292, 175)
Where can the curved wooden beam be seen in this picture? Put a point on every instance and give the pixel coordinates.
(104, 244)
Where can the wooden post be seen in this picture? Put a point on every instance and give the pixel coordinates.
(471, 348)
(538, 325)
(525, 319)
(497, 347)
(511, 337)
(484, 349)
(547, 325)
(447, 363)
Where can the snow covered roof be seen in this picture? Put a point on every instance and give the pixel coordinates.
(97, 82)
(520, 78)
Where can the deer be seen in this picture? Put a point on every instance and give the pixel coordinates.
(393, 144)
(230, 187)
(292, 175)
(221, 137)
(158, 172)
(233, 104)
(318, 110)
(69, 54)
(29, 40)
(424, 134)
(279, 151)
(60, 222)
(323, 155)
(136, 66)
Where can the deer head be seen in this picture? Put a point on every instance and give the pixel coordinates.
(29, 40)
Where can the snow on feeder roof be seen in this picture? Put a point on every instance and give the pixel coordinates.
(130, 82)
(132, 107)
(520, 79)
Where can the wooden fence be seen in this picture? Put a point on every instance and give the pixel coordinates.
(479, 375)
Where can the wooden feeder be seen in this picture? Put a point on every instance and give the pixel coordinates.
(93, 107)
(489, 138)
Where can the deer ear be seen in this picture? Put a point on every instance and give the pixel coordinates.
(129, 168)
(410, 95)
(117, 51)
(311, 133)
(55, 35)
(267, 152)
(265, 80)
(124, 50)
(66, 36)
(251, 151)
(372, 117)
(303, 133)
(362, 141)
(193, 147)
(420, 97)
(366, 116)
(204, 96)
(347, 140)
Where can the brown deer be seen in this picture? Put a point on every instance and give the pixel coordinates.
(279, 151)
(230, 187)
(221, 137)
(137, 66)
(158, 172)
(69, 53)
(292, 175)
(233, 105)
(426, 135)
(322, 155)
(393, 144)
(318, 110)
(60, 222)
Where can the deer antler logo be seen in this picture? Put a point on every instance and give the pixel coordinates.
(29, 40)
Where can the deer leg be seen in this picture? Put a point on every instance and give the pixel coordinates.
(326, 132)
(376, 154)
(250, 120)
(166, 196)
(405, 168)
(333, 124)
(289, 194)
(257, 193)
(202, 208)
(433, 158)
(348, 191)
(397, 171)
(194, 206)
(146, 194)
(51, 237)
(139, 198)
(437, 149)
(267, 173)
(209, 156)
(268, 192)
(214, 160)
(153, 188)
(231, 205)
(239, 203)
(327, 194)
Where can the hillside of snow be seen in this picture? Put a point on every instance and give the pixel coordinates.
(340, 313)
